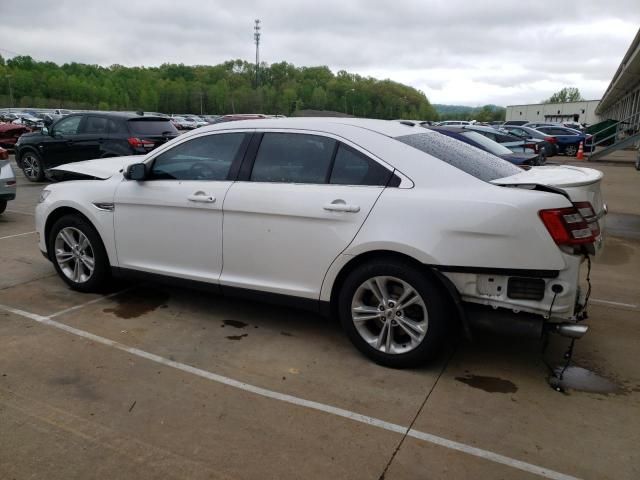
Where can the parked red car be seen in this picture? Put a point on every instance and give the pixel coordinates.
(9, 134)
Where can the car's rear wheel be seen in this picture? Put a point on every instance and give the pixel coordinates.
(393, 313)
(32, 166)
(78, 254)
(3, 205)
(571, 150)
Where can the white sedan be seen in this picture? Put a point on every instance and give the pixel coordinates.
(400, 231)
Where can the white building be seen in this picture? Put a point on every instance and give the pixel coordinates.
(582, 112)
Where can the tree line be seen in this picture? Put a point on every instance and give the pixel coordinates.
(230, 87)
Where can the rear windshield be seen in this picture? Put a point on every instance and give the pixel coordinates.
(152, 127)
(488, 144)
(471, 160)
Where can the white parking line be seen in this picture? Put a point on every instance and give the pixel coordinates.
(21, 213)
(283, 397)
(17, 235)
(90, 302)
(609, 302)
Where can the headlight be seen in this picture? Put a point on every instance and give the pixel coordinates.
(43, 195)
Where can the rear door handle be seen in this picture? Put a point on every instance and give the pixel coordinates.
(201, 197)
(341, 206)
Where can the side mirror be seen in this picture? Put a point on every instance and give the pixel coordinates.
(136, 172)
(45, 131)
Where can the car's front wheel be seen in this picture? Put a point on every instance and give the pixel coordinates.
(32, 166)
(393, 313)
(78, 254)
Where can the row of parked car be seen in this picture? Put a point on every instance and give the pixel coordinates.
(548, 139)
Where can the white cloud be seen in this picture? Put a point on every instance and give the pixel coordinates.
(455, 51)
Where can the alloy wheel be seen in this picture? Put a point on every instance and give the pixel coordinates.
(571, 150)
(31, 166)
(74, 254)
(389, 314)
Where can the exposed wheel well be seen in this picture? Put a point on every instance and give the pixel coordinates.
(55, 216)
(22, 151)
(447, 288)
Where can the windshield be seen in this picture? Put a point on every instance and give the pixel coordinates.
(456, 153)
(487, 143)
(152, 127)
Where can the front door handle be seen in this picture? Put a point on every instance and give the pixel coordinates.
(341, 206)
(202, 197)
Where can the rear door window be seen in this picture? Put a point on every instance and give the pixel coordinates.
(293, 158)
(463, 156)
(94, 125)
(353, 168)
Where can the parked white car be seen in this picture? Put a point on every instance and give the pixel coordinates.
(400, 231)
(7, 180)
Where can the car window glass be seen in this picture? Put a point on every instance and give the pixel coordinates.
(353, 168)
(486, 143)
(461, 155)
(203, 158)
(95, 125)
(116, 126)
(293, 158)
(68, 126)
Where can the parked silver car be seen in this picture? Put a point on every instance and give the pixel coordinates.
(7, 180)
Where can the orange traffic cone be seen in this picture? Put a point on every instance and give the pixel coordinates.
(580, 154)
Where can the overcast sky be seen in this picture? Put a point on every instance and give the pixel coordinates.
(470, 52)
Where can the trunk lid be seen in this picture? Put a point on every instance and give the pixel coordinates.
(579, 183)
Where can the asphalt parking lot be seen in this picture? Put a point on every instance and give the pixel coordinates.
(158, 382)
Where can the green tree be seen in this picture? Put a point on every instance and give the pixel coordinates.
(567, 94)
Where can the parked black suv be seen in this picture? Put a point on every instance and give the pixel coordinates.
(85, 136)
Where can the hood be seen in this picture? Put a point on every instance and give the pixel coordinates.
(102, 168)
(553, 176)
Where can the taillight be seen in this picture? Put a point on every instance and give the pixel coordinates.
(4, 154)
(567, 226)
(140, 143)
(551, 139)
(586, 210)
(532, 146)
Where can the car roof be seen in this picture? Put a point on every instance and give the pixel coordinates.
(480, 128)
(388, 128)
(118, 115)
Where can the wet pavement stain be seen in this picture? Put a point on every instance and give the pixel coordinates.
(286, 334)
(137, 302)
(237, 337)
(235, 323)
(489, 384)
(582, 380)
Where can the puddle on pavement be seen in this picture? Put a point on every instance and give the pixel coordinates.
(489, 384)
(237, 337)
(235, 323)
(137, 302)
(582, 380)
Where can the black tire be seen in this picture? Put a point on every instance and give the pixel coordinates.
(98, 279)
(637, 162)
(432, 342)
(32, 166)
(3, 205)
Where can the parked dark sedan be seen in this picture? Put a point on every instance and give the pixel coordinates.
(87, 136)
(550, 143)
(568, 139)
(483, 143)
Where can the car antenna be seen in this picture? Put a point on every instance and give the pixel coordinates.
(140, 112)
